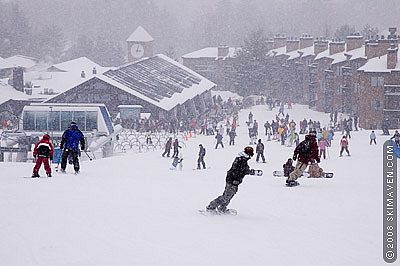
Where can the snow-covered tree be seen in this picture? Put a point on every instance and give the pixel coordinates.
(251, 64)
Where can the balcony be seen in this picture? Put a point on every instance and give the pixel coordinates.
(392, 90)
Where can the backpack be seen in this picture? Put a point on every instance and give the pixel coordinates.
(304, 147)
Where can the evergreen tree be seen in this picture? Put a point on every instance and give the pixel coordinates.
(250, 64)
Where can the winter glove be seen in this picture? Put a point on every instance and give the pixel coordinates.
(294, 157)
(82, 147)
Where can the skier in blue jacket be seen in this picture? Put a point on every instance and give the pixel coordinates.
(70, 146)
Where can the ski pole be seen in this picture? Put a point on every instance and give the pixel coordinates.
(90, 158)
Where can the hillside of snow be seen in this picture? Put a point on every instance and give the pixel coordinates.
(132, 210)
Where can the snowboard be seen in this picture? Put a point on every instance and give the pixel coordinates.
(215, 212)
(305, 174)
(258, 172)
(295, 184)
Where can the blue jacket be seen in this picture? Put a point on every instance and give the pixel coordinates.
(71, 138)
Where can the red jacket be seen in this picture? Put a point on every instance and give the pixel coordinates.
(312, 155)
(44, 148)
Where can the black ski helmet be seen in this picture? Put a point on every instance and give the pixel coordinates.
(249, 151)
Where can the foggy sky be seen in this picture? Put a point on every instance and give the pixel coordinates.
(186, 17)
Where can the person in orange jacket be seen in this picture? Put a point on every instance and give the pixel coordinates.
(43, 152)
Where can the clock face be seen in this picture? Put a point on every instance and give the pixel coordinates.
(137, 50)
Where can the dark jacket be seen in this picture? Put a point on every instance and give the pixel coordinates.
(287, 169)
(71, 138)
(202, 151)
(219, 137)
(238, 170)
(168, 144)
(312, 155)
(232, 134)
(176, 145)
(260, 147)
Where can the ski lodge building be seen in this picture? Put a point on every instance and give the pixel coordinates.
(160, 85)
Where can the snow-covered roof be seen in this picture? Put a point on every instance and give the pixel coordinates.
(210, 52)
(379, 64)
(158, 80)
(7, 92)
(322, 54)
(303, 52)
(5, 64)
(22, 61)
(63, 76)
(277, 51)
(341, 57)
(76, 65)
(140, 35)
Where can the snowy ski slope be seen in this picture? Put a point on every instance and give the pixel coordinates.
(132, 210)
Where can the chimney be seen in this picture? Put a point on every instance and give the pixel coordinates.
(279, 41)
(270, 44)
(306, 41)
(320, 46)
(336, 47)
(385, 43)
(223, 51)
(18, 79)
(392, 56)
(371, 49)
(292, 45)
(94, 71)
(354, 41)
(83, 74)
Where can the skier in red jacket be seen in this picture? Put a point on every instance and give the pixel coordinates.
(43, 152)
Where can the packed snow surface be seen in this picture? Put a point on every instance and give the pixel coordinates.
(132, 210)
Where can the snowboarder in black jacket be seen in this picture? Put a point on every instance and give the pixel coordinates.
(234, 178)
(202, 153)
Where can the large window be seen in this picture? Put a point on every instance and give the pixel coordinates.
(41, 121)
(54, 121)
(29, 120)
(91, 121)
(79, 118)
(377, 81)
(66, 118)
(59, 120)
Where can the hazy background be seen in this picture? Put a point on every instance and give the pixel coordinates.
(181, 26)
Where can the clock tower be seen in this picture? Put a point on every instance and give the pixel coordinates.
(140, 44)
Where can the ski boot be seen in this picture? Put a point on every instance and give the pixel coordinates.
(49, 175)
(35, 175)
